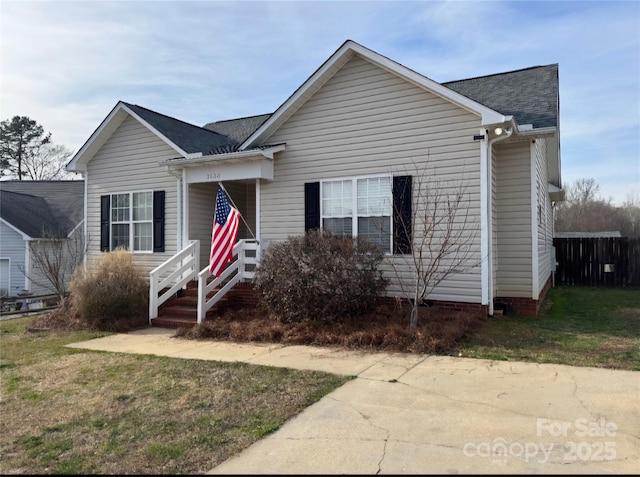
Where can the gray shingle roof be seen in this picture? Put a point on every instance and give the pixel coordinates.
(188, 137)
(530, 94)
(39, 208)
(238, 129)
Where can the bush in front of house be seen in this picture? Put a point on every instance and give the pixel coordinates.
(111, 294)
(319, 276)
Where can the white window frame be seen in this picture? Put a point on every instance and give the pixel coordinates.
(354, 203)
(130, 222)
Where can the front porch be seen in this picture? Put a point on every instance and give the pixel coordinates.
(182, 294)
(182, 291)
(181, 310)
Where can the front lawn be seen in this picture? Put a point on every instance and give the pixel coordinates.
(578, 326)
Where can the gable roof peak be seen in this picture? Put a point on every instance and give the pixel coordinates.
(335, 62)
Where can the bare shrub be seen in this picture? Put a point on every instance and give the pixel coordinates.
(110, 292)
(319, 276)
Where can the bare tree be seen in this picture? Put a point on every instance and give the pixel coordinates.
(47, 163)
(584, 210)
(582, 192)
(441, 232)
(54, 259)
(631, 210)
(27, 152)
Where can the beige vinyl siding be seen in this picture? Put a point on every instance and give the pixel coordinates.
(545, 224)
(128, 162)
(13, 247)
(243, 195)
(366, 121)
(202, 202)
(513, 197)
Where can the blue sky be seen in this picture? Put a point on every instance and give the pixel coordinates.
(66, 64)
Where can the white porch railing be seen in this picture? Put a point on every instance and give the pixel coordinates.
(173, 274)
(245, 258)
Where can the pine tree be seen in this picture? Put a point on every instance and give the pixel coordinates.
(27, 152)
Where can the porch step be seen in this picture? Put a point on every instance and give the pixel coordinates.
(173, 322)
(178, 312)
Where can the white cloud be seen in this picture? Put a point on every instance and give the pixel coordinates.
(66, 64)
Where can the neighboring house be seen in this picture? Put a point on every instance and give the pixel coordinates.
(34, 215)
(337, 154)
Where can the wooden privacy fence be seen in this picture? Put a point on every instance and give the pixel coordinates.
(598, 261)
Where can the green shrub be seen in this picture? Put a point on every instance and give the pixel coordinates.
(111, 295)
(319, 276)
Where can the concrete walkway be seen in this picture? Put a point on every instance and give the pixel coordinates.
(417, 414)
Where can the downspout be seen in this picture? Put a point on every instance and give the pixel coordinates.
(490, 143)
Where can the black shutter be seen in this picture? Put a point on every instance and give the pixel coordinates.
(105, 210)
(158, 221)
(311, 206)
(402, 214)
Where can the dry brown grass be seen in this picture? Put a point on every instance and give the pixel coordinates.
(385, 328)
(67, 318)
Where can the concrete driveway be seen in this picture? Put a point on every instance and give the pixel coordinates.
(417, 414)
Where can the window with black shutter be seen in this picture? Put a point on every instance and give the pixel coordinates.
(133, 220)
(376, 208)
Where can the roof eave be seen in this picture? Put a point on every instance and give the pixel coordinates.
(24, 235)
(104, 131)
(554, 168)
(268, 153)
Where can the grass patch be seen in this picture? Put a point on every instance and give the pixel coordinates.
(68, 411)
(577, 326)
(112, 413)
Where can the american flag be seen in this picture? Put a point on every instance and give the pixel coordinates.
(225, 232)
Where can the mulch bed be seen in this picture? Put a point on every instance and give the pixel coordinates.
(385, 328)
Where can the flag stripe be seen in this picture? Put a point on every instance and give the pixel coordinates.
(222, 246)
(229, 229)
(224, 234)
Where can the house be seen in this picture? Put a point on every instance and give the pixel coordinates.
(338, 154)
(35, 216)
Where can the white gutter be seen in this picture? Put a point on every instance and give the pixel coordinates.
(538, 132)
(226, 157)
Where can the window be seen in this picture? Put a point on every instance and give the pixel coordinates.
(132, 221)
(359, 207)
